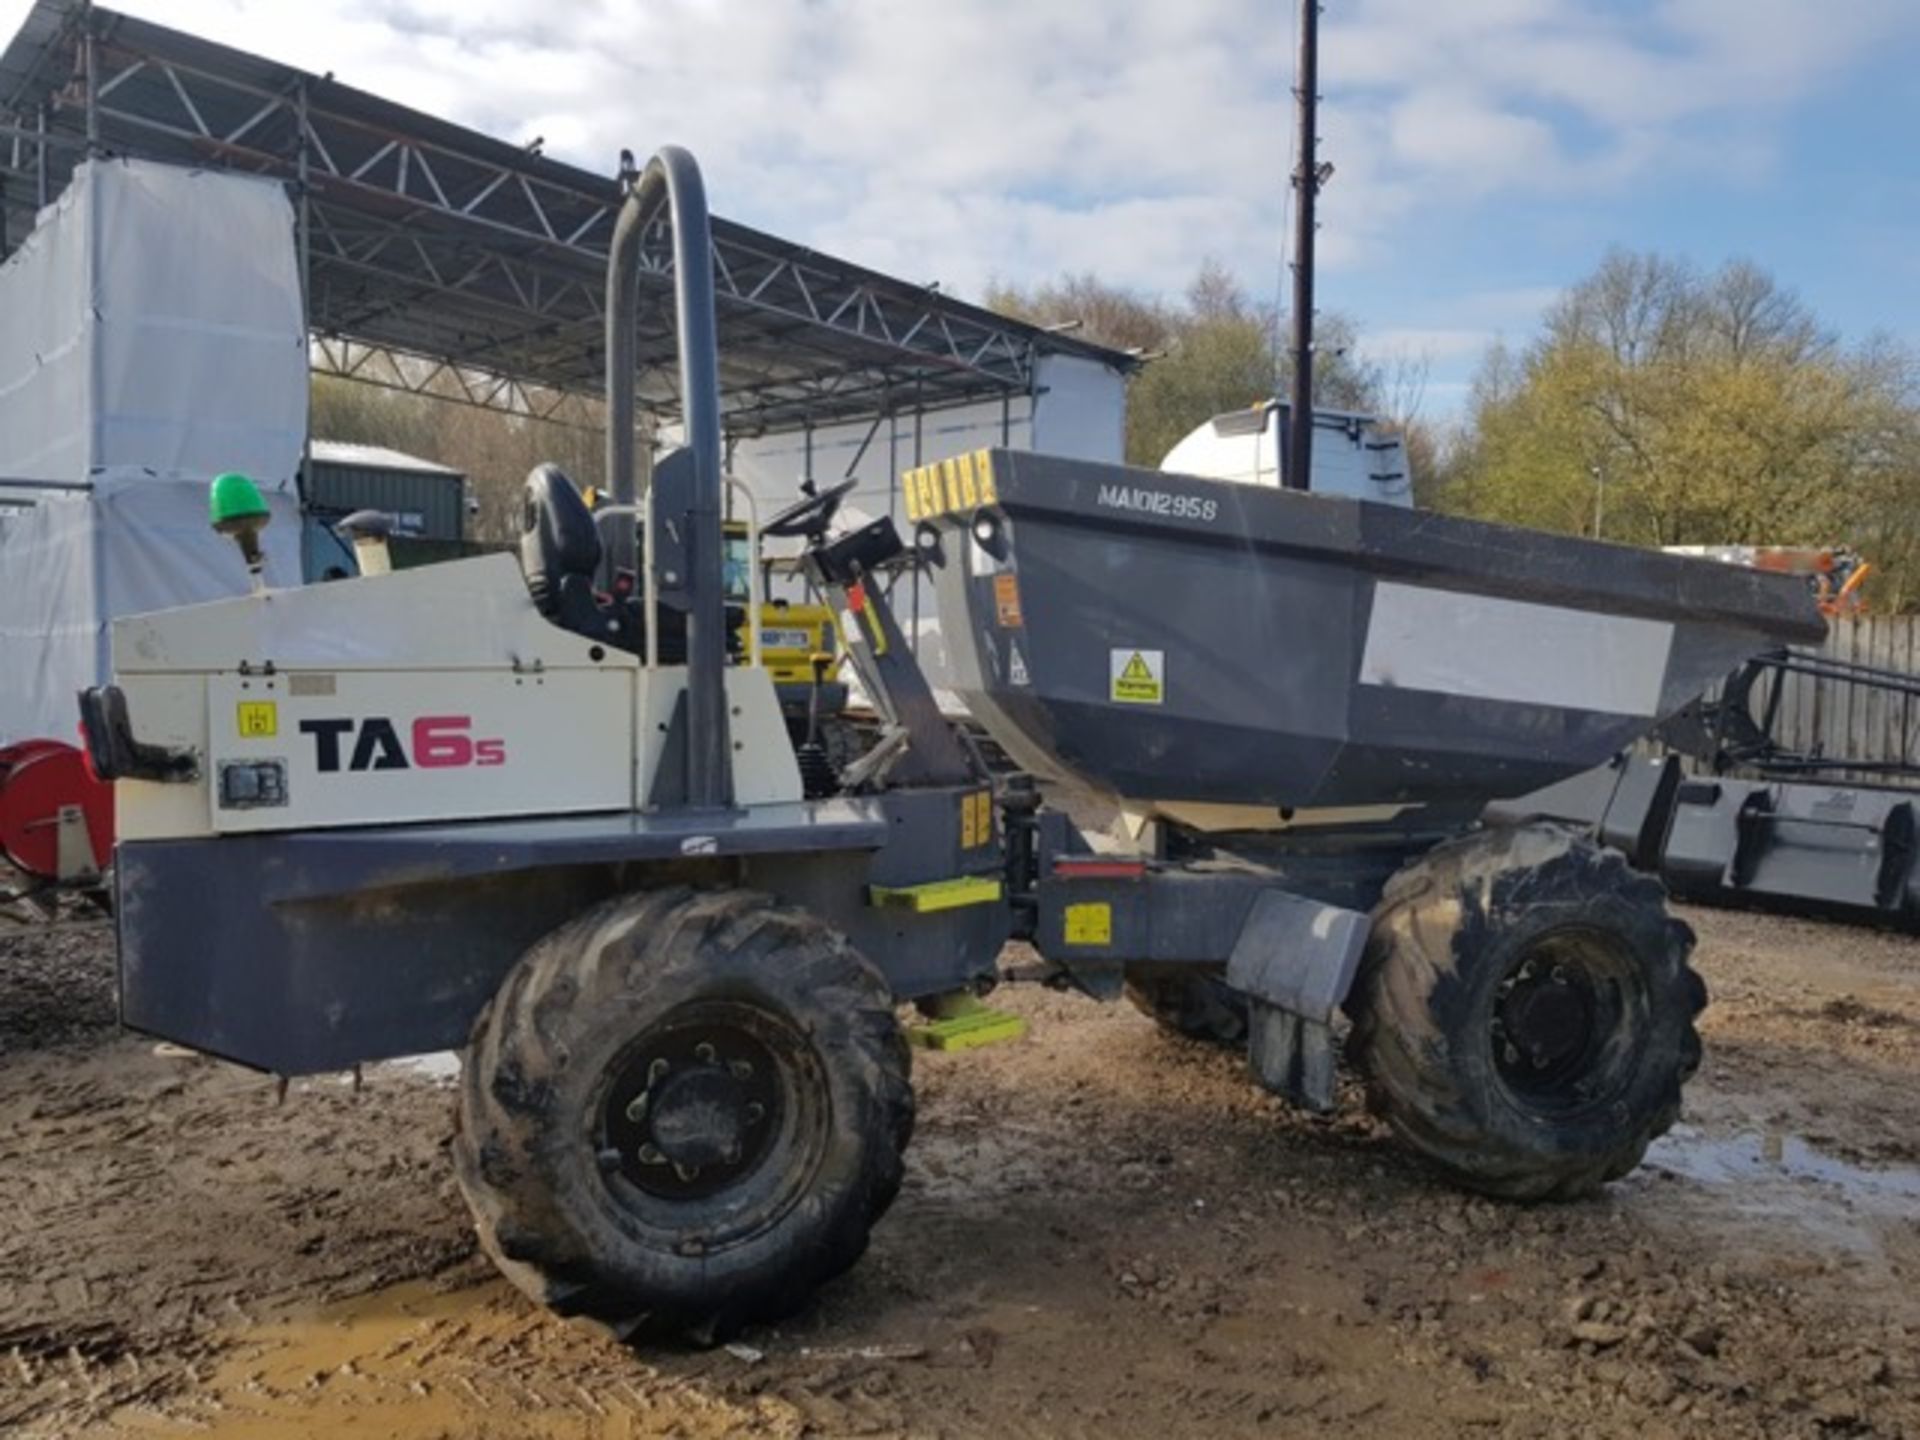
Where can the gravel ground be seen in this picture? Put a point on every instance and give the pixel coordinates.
(1104, 1232)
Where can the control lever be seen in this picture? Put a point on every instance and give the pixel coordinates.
(818, 778)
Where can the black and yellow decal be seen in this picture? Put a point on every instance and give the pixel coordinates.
(976, 819)
(964, 482)
(857, 602)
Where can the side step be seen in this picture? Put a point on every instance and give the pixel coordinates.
(936, 895)
(966, 1024)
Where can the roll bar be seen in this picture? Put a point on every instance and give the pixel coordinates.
(671, 178)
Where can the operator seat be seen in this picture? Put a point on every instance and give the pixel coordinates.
(559, 555)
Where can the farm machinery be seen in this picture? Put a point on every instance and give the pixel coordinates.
(487, 806)
(1735, 814)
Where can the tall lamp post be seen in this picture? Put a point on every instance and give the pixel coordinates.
(1307, 180)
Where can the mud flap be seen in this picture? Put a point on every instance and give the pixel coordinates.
(1295, 959)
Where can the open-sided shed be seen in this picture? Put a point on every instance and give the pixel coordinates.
(407, 251)
(422, 238)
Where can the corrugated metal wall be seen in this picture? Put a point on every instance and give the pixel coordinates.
(1837, 719)
(431, 506)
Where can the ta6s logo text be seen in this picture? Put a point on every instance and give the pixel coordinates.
(439, 742)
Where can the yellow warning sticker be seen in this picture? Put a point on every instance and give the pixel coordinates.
(258, 719)
(976, 819)
(1090, 924)
(1138, 677)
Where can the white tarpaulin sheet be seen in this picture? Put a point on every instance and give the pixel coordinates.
(151, 337)
(70, 563)
(153, 322)
(48, 615)
(45, 335)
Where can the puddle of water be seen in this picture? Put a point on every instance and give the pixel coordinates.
(1750, 1158)
(411, 1362)
(349, 1364)
(1783, 1178)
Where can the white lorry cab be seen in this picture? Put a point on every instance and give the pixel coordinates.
(1353, 455)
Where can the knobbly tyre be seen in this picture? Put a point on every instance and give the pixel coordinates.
(503, 807)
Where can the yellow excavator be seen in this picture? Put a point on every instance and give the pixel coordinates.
(797, 641)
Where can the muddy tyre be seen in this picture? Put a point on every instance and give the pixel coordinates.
(683, 1112)
(1524, 1015)
(1194, 1007)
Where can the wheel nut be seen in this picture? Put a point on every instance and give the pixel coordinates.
(756, 1112)
(741, 1069)
(650, 1155)
(637, 1107)
(656, 1070)
(703, 1052)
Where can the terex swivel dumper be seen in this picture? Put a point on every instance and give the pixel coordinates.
(487, 806)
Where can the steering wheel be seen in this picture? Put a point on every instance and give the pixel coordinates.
(810, 515)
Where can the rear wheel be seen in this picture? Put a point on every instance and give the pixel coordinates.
(1525, 1011)
(683, 1112)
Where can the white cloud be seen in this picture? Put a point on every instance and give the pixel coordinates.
(1436, 345)
(1019, 138)
(1454, 132)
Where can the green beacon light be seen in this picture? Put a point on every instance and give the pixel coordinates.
(235, 508)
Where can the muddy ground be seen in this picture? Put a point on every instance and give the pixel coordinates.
(1104, 1232)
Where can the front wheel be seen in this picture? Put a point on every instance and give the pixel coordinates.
(682, 1112)
(1524, 1014)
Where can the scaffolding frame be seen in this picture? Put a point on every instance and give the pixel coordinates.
(441, 261)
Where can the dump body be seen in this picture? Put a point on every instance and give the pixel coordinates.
(1166, 638)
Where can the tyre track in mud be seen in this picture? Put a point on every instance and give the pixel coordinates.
(1103, 1232)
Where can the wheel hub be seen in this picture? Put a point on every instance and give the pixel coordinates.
(699, 1117)
(1547, 1021)
(1551, 1022)
(692, 1111)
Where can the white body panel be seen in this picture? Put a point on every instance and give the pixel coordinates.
(460, 615)
(1489, 648)
(764, 767)
(424, 695)
(439, 745)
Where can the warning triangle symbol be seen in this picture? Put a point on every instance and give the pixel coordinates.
(1137, 669)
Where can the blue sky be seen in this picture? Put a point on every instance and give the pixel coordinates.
(1487, 152)
(1793, 152)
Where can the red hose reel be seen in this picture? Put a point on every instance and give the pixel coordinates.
(39, 779)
